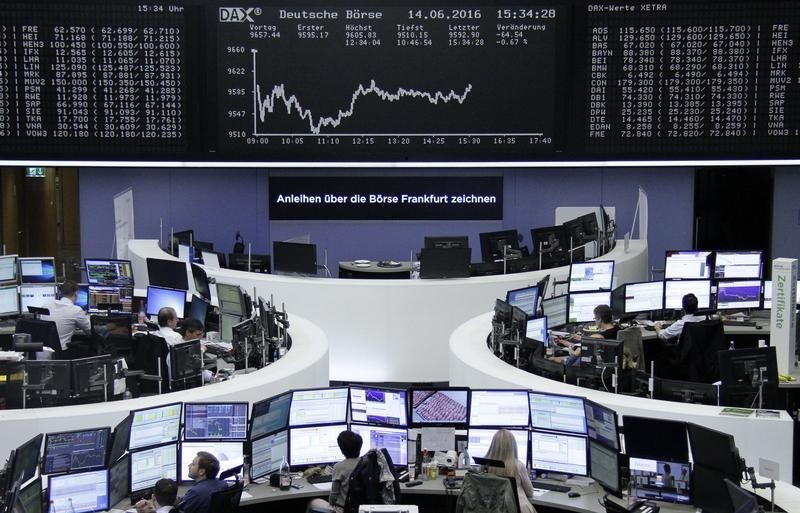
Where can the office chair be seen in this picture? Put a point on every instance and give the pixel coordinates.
(367, 483)
(41, 331)
(488, 492)
(112, 334)
(699, 344)
(149, 355)
(633, 351)
(227, 501)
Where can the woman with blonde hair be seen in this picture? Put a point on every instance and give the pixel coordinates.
(504, 448)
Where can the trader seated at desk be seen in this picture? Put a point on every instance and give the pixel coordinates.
(68, 316)
(673, 331)
(167, 322)
(606, 328)
(350, 445)
(165, 493)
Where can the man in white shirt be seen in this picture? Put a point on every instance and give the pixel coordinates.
(167, 322)
(66, 314)
(689, 302)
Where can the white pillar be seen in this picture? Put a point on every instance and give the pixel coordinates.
(783, 319)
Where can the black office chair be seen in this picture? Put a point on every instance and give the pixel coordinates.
(227, 501)
(149, 355)
(633, 351)
(488, 492)
(112, 334)
(699, 345)
(367, 485)
(45, 332)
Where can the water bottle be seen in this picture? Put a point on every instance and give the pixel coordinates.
(142, 314)
(285, 478)
(463, 459)
(731, 347)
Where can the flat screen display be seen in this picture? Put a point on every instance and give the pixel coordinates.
(737, 265)
(9, 301)
(555, 309)
(109, 272)
(26, 460)
(35, 295)
(37, 270)
(527, 299)
(536, 329)
(318, 406)
(661, 480)
(158, 298)
(688, 265)
(150, 465)
(119, 479)
(591, 276)
(294, 257)
(170, 274)
(656, 439)
(582, 305)
(230, 299)
(155, 426)
(732, 294)
(439, 407)
(604, 467)
(215, 421)
(270, 415)
(229, 454)
(315, 445)
(267, 453)
(557, 412)
(643, 297)
(75, 450)
(601, 424)
(394, 440)
(378, 406)
(8, 269)
(82, 493)
(503, 408)
(479, 440)
(675, 290)
(29, 499)
(559, 452)
(100, 295)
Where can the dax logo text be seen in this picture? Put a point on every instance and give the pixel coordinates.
(236, 14)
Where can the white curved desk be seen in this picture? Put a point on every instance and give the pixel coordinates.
(304, 366)
(390, 330)
(473, 364)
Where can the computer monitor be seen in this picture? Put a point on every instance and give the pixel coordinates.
(8, 269)
(479, 440)
(742, 501)
(159, 297)
(119, 480)
(675, 290)
(213, 259)
(601, 424)
(503, 312)
(393, 439)
(582, 229)
(737, 265)
(318, 406)
(375, 405)
(656, 439)
(54, 375)
(26, 460)
(101, 297)
(552, 412)
(9, 301)
(559, 452)
(735, 294)
(198, 308)
(604, 467)
(294, 257)
(494, 245)
(591, 276)
(715, 450)
(315, 445)
(547, 368)
(169, 274)
(84, 492)
(252, 263)
(501, 408)
(72, 451)
(582, 305)
(270, 415)
(549, 239)
(119, 440)
(104, 271)
(443, 407)
(82, 297)
(436, 263)
(186, 362)
(446, 241)
(28, 499)
(93, 375)
(226, 324)
(35, 295)
(742, 371)
(601, 352)
(519, 324)
(229, 455)
(150, 465)
(555, 309)
(688, 265)
(200, 279)
(185, 237)
(231, 300)
(526, 298)
(662, 480)
(646, 296)
(767, 303)
(537, 330)
(267, 453)
(37, 270)
(215, 421)
(155, 426)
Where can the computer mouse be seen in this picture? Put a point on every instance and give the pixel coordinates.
(572, 495)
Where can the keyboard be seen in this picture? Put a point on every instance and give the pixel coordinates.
(730, 322)
(547, 485)
(320, 478)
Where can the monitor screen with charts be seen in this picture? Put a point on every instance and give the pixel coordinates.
(526, 298)
(642, 297)
(378, 406)
(394, 440)
(661, 480)
(155, 426)
(479, 440)
(267, 453)
(675, 290)
(229, 455)
(591, 276)
(537, 330)
(158, 298)
(559, 452)
(439, 407)
(109, 272)
(555, 309)
(582, 305)
(37, 270)
(737, 265)
(315, 445)
(35, 295)
(688, 265)
(101, 297)
(82, 493)
(318, 406)
(270, 415)
(734, 294)
(8, 269)
(557, 412)
(150, 465)
(215, 421)
(505, 408)
(75, 450)
(9, 301)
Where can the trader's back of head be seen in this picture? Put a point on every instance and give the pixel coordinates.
(604, 314)
(165, 492)
(166, 315)
(350, 444)
(69, 289)
(689, 303)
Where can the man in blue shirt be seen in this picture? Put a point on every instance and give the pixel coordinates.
(203, 469)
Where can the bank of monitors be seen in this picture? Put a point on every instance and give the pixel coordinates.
(662, 480)
(494, 245)
(384, 406)
(9, 301)
(735, 294)
(8, 269)
(604, 467)
(26, 460)
(536, 329)
(601, 424)
(499, 408)
(526, 298)
(104, 271)
(689, 265)
(318, 406)
(446, 241)
(559, 452)
(102, 298)
(737, 265)
(170, 274)
(150, 465)
(557, 413)
(315, 445)
(37, 270)
(393, 439)
(231, 300)
(582, 305)
(73, 451)
(438, 263)
(294, 257)
(267, 453)
(479, 440)
(35, 295)
(155, 426)
(159, 297)
(642, 297)
(675, 290)
(270, 415)
(556, 309)
(215, 421)
(445, 407)
(84, 492)
(591, 276)
(229, 455)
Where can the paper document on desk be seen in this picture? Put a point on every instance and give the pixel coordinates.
(246, 495)
(645, 322)
(538, 492)
(324, 486)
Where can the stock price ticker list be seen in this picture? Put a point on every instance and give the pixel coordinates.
(693, 77)
(337, 81)
(92, 78)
